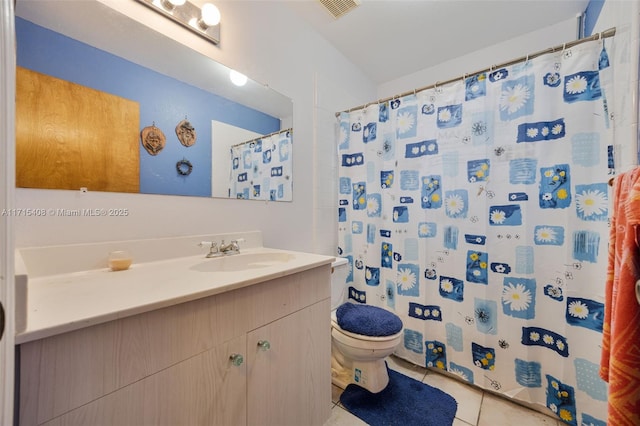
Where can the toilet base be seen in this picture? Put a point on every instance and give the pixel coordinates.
(371, 375)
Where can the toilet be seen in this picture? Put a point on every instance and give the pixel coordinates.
(362, 336)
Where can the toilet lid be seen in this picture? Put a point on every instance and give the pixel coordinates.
(368, 320)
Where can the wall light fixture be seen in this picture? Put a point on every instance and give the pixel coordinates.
(203, 21)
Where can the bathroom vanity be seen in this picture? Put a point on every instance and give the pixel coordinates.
(169, 342)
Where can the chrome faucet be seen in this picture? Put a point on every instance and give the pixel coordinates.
(213, 248)
(231, 248)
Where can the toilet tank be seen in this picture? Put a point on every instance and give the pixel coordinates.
(339, 273)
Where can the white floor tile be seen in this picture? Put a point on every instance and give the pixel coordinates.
(497, 411)
(469, 398)
(341, 417)
(407, 368)
(335, 393)
(458, 422)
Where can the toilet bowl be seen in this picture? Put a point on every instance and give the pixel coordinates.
(360, 343)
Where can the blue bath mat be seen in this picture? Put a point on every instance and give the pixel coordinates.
(404, 402)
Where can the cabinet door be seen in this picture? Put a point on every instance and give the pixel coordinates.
(289, 369)
(207, 389)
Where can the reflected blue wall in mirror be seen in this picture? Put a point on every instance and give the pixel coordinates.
(163, 100)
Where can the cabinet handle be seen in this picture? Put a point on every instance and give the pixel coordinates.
(264, 345)
(236, 359)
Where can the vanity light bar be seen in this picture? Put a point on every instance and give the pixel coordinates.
(188, 15)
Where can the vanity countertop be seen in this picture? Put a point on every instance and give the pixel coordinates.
(66, 302)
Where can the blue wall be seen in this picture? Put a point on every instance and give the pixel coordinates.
(162, 100)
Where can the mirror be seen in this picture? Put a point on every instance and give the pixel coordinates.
(180, 92)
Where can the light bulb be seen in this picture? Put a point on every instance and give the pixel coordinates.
(210, 15)
(237, 78)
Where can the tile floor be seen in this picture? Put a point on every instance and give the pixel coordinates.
(475, 406)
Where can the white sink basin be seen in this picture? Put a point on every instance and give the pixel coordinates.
(241, 262)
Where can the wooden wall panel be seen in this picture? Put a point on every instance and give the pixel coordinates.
(70, 136)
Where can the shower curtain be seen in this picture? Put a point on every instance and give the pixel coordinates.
(261, 168)
(477, 211)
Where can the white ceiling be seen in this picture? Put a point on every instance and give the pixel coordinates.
(389, 39)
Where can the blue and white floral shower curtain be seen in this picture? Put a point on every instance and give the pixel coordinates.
(261, 169)
(477, 211)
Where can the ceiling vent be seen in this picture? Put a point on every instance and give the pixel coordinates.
(339, 7)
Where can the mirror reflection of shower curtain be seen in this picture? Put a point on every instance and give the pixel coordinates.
(477, 211)
(261, 169)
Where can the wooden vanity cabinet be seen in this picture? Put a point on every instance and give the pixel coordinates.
(259, 355)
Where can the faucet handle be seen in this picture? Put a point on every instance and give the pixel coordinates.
(213, 248)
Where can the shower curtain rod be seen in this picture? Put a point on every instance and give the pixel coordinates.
(290, 129)
(604, 34)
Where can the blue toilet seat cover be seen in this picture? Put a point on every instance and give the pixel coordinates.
(368, 320)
